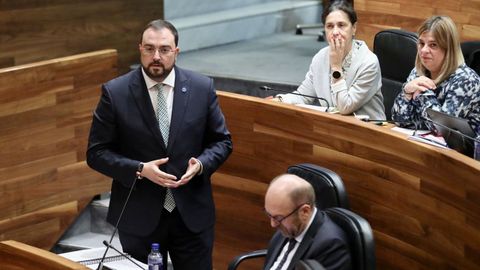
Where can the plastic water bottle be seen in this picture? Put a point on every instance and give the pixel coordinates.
(155, 260)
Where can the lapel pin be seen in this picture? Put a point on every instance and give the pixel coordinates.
(184, 90)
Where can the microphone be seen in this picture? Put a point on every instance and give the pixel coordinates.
(100, 265)
(267, 88)
(108, 245)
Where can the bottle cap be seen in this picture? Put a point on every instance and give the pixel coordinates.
(155, 246)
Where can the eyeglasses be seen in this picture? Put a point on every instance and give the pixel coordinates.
(150, 50)
(279, 219)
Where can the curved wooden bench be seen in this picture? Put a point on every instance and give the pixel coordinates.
(422, 202)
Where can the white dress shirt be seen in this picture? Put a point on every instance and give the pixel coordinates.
(169, 84)
(299, 239)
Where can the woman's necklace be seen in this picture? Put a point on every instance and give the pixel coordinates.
(347, 61)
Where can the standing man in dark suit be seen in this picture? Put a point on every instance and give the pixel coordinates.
(162, 124)
(304, 232)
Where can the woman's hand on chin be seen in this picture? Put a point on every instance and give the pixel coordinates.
(337, 52)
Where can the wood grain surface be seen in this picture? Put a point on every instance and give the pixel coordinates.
(377, 15)
(45, 114)
(37, 30)
(15, 255)
(421, 201)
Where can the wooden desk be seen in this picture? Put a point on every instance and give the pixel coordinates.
(18, 256)
(422, 202)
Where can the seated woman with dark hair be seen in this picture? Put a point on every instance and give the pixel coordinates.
(346, 72)
(440, 79)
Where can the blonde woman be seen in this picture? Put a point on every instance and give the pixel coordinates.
(440, 79)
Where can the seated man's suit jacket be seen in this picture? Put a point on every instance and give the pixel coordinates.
(324, 241)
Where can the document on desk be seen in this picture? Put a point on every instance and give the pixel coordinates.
(424, 136)
(429, 139)
(92, 257)
(410, 131)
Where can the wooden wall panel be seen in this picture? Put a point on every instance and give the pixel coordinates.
(421, 201)
(45, 115)
(374, 16)
(31, 31)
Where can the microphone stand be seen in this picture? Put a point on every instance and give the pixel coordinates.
(267, 88)
(121, 253)
(100, 265)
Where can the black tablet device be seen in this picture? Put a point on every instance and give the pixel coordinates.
(456, 131)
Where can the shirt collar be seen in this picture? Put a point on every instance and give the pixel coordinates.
(169, 80)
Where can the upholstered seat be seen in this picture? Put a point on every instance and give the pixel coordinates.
(396, 51)
(329, 192)
(328, 186)
(359, 235)
(471, 53)
(360, 241)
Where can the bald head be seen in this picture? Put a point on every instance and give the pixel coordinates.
(292, 189)
(289, 203)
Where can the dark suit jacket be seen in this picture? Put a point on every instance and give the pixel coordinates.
(125, 132)
(324, 241)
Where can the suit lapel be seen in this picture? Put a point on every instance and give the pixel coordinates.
(181, 95)
(276, 250)
(139, 91)
(307, 240)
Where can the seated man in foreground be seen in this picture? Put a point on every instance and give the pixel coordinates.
(304, 232)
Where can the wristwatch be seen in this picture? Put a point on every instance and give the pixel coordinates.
(336, 74)
(139, 170)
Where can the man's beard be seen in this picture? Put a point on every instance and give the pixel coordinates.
(294, 230)
(157, 71)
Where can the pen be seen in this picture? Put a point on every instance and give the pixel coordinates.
(380, 123)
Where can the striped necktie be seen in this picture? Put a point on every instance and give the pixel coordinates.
(162, 114)
(291, 245)
(164, 125)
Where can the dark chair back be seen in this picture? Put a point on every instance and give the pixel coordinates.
(329, 192)
(328, 186)
(468, 48)
(360, 237)
(309, 265)
(396, 51)
(471, 53)
(474, 61)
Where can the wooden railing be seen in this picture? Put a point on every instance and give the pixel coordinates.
(422, 202)
(45, 115)
(19, 256)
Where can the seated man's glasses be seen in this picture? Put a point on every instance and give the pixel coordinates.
(279, 219)
(150, 50)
